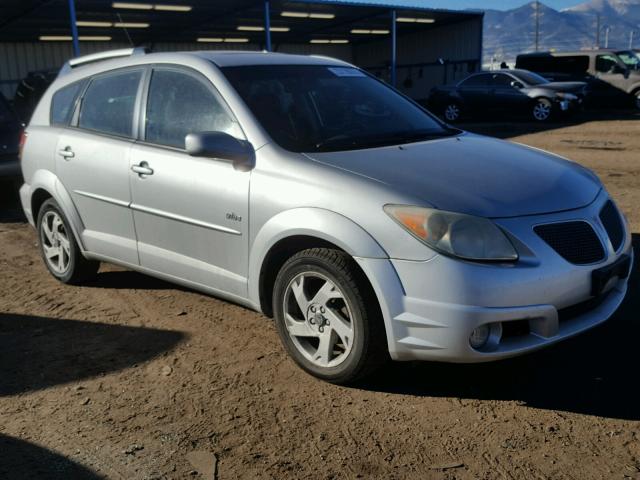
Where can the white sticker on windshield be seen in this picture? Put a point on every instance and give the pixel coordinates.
(346, 72)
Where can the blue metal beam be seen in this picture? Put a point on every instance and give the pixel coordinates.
(267, 25)
(394, 59)
(74, 28)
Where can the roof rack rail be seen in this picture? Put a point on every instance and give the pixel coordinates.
(100, 56)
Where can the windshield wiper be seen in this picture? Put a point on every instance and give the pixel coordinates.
(395, 138)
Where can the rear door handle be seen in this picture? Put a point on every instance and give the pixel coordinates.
(142, 169)
(66, 153)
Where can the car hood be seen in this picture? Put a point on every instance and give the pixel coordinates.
(474, 175)
(564, 86)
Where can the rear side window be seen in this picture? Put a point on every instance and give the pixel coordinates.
(62, 104)
(476, 81)
(180, 103)
(108, 103)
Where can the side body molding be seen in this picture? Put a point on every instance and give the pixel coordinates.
(315, 222)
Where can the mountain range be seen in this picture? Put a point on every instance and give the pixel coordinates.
(509, 32)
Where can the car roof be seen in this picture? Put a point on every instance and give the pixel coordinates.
(569, 52)
(244, 58)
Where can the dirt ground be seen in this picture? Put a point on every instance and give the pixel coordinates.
(132, 378)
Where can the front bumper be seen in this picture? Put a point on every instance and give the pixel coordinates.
(567, 106)
(430, 308)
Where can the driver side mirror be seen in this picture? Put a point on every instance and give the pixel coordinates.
(223, 146)
(517, 84)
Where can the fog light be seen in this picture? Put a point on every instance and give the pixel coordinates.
(480, 336)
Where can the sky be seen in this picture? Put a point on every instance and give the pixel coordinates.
(481, 4)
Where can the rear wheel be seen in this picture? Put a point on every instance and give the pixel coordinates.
(58, 246)
(327, 319)
(542, 109)
(452, 112)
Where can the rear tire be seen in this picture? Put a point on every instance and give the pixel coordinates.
(59, 249)
(327, 316)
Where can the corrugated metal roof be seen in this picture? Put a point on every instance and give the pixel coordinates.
(391, 4)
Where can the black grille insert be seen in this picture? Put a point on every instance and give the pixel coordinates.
(576, 241)
(569, 313)
(612, 222)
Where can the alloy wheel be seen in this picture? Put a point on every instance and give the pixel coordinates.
(55, 242)
(318, 319)
(542, 111)
(452, 112)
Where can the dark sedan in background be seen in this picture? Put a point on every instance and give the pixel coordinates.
(511, 92)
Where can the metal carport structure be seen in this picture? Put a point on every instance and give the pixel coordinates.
(413, 47)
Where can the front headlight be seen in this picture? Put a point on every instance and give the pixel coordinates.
(456, 234)
(566, 96)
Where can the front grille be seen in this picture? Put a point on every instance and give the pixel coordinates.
(612, 222)
(576, 241)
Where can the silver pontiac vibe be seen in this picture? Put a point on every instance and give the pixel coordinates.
(304, 188)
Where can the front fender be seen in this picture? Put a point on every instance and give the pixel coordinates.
(314, 222)
(47, 181)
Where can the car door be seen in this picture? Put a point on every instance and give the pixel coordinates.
(190, 214)
(474, 91)
(611, 80)
(505, 96)
(92, 162)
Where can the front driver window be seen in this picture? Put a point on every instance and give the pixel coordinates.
(180, 103)
(606, 63)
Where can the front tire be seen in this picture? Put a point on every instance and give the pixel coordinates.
(327, 316)
(59, 249)
(542, 110)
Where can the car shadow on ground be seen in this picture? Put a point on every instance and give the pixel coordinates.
(22, 460)
(130, 280)
(507, 128)
(595, 373)
(40, 352)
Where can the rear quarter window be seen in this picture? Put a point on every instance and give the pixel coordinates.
(476, 81)
(63, 103)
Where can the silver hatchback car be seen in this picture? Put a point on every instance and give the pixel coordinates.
(305, 188)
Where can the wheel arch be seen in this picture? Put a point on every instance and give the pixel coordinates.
(45, 185)
(635, 89)
(293, 231)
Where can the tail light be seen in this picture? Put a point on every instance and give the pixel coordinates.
(22, 142)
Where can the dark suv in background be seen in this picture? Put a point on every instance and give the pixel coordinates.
(610, 80)
(10, 130)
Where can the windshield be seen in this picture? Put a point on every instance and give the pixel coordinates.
(630, 59)
(530, 78)
(314, 108)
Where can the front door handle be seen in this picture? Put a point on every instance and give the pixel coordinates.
(142, 169)
(66, 153)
